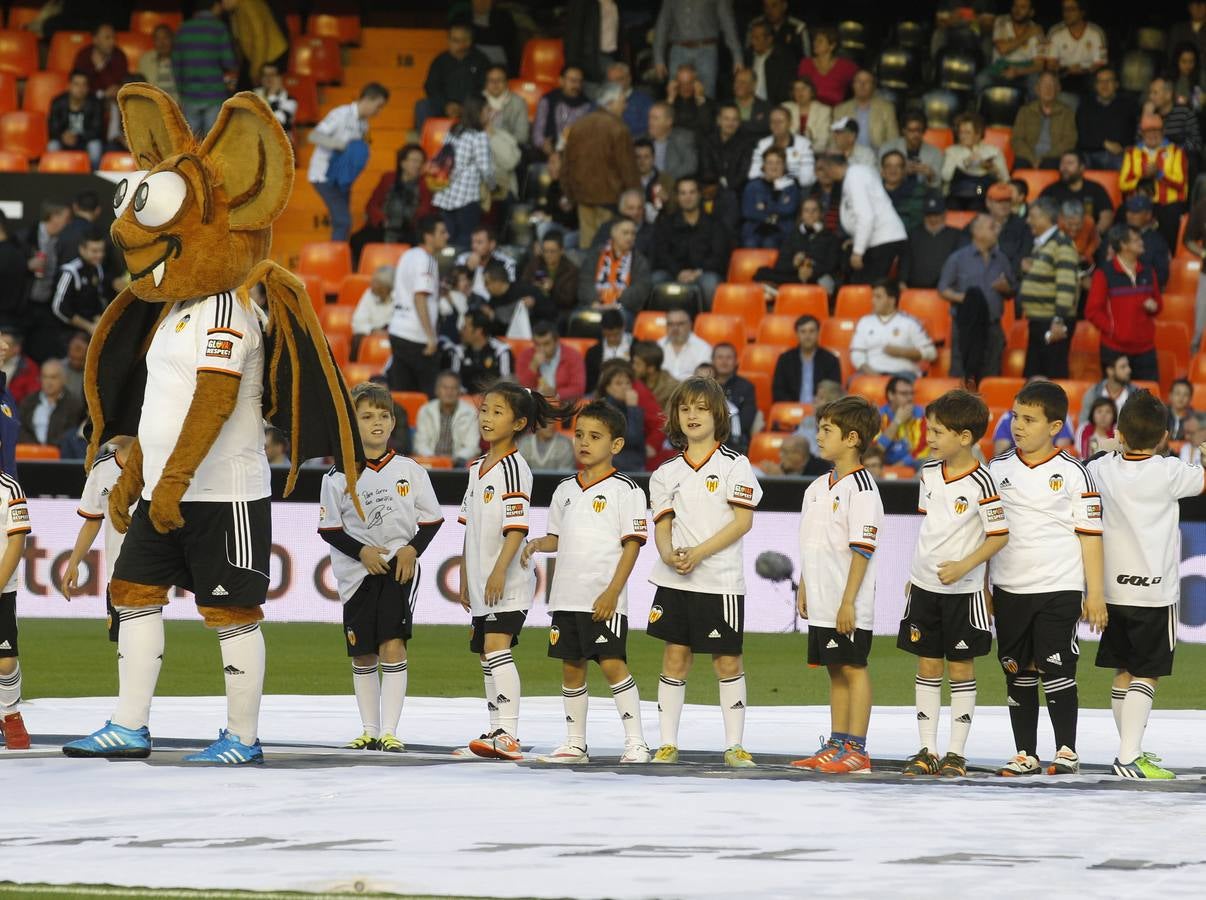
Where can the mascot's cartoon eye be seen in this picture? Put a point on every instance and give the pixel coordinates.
(125, 191)
(159, 198)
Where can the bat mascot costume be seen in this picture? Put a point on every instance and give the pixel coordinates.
(184, 360)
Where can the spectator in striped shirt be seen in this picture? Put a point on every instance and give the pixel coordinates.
(1048, 292)
(205, 67)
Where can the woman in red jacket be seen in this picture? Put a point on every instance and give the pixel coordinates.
(1124, 300)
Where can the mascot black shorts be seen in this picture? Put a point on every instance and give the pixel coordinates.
(221, 554)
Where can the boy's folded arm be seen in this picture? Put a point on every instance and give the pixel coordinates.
(342, 541)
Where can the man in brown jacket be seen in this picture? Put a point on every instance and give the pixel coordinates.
(1044, 129)
(599, 162)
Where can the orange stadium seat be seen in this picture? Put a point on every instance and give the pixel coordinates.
(899, 473)
(1197, 368)
(412, 402)
(543, 60)
(336, 320)
(118, 161)
(24, 133)
(8, 92)
(716, 328)
(1076, 389)
(314, 288)
(1174, 336)
(18, 53)
(873, 387)
(788, 416)
(836, 335)
(72, 161)
(11, 161)
(355, 373)
(147, 20)
(1183, 275)
(1108, 179)
(20, 16)
(1178, 308)
(434, 462)
(932, 311)
(959, 218)
(352, 289)
(1013, 362)
(133, 44)
(779, 330)
(932, 387)
(1000, 390)
(802, 300)
(650, 325)
(374, 256)
(1166, 363)
(581, 344)
(744, 300)
(64, 47)
(746, 261)
(341, 347)
(40, 90)
(853, 301)
(1018, 336)
(763, 394)
(764, 446)
(304, 89)
(344, 28)
(1001, 138)
(317, 57)
(435, 130)
(330, 260)
(759, 358)
(36, 451)
(941, 366)
(530, 91)
(1036, 179)
(375, 350)
(939, 137)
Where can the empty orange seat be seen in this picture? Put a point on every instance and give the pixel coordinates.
(304, 89)
(40, 90)
(788, 416)
(64, 47)
(435, 130)
(744, 300)
(73, 161)
(344, 28)
(329, 260)
(530, 91)
(317, 57)
(336, 320)
(341, 347)
(434, 462)
(1108, 179)
(746, 261)
(836, 335)
(780, 330)
(1000, 390)
(543, 60)
(926, 390)
(650, 325)
(1197, 369)
(8, 92)
(116, 161)
(1183, 275)
(146, 20)
(1076, 389)
(412, 402)
(354, 373)
(1013, 363)
(764, 446)
(1178, 308)
(1036, 179)
(1174, 336)
(18, 53)
(853, 301)
(716, 328)
(24, 133)
(763, 394)
(932, 311)
(759, 358)
(873, 387)
(353, 289)
(37, 451)
(959, 218)
(314, 288)
(20, 16)
(133, 44)
(1001, 137)
(374, 256)
(939, 137)
(802, 300)
(375, 350)
(11, 161)
(1086, 338)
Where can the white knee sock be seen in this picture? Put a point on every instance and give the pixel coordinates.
(1135, 711)
(491, 693)
(10, 691)
(628, 705)
(368, 698)
(507, 691)
(1117, 695)
(243, 664)
(671, 694)
(140, 649)
(963, 708)
(928, 693)
(576, 702)
(393, 695)
(732, 708)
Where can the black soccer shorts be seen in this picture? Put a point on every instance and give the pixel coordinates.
(707, 623)
(828, 648)
(1139, 640)
(112, 619)
(495, 623)
(381, 610)
(576, 635)
(221, 553)
(1038, 629)
(8, 625)
(951, 626)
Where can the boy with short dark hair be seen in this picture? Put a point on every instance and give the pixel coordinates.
(1048, 574)
(1142, 542)
(597, 526)
(947, 614)
(375, 562)
(839, 531)
(14, 514)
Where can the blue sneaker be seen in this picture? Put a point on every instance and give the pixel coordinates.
(228, 750)
(112, 742)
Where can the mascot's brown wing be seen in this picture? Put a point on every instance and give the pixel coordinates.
(304, 392)
(115, 373)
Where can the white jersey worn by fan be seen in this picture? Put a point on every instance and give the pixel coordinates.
(959, 514)
(838, 519)
(592, 522)
(94, 504)
(701, 499)
(1048, 505)
(396, 496)
(1142, 524)
(873, 334)
(417, 273)
(217, 334)
(14, 512)
(496, 503)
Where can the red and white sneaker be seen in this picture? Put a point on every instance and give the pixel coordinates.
(850, 761)
(566, 754)
(507, 747)
(15, 735)
(829, 749)
(484, 746)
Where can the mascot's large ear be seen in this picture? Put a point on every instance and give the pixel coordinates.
(253, 159)
(155, 128)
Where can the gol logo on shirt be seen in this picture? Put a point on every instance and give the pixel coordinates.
(1056, 481)
(488, 494)
(742, 492)
(514, 510)
(711, 483)
(219, 347)
(640, 525)
(960, 506)
(599, 503)
(403, 487)
(554, 636)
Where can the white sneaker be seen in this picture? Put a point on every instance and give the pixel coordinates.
(1066, 762)
(1022, 764)
(636, 753)
(566, 753)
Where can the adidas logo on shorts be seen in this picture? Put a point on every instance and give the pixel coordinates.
(832, 645)
(601, 639)
(491, 618)
(714, 634)
(220, 591)
(1054, 658)
(962, 645)
(6, 646)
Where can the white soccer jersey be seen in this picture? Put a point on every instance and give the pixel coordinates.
(592, 522)
(959, 514)
(15, 511)
(1142, 537)
(838, 519)
(1048, 504)
(417, 273)
(701, 500)
(396, 496)
(94, 504)
(216, 334)
(872, 334)
(1090, 49)
(496, 503)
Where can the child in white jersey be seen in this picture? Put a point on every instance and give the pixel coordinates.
(14, 514)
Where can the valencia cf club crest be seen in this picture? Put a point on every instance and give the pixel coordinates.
(835, 504)
(914, 633)
(554, 636)
(403, 487)
(351, 638)
(654, 614)
(960, 505)
(1010, 665)
(4, 408)
(183, 322)
(488, 494)
(599, 503)
(1056, 481)
(711, 483)
(322, 513)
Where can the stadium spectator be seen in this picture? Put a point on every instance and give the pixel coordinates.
(551, 208)
(19, 370)
(616, 273)
(725, 151)
(155, 65)
(205, 66)
(1180, 408)
(690, 246)
(480, 359)
(1105, 122)
(1188, 79)
(1158, 164)
(618, 386)
(631, 206)
(740, 394)
(1075, 48)
(902, 425)
(546, 449)
(396, 204)
(483, 249)
(1096, 432)
(876, 117)
(878, 237)
(103, 62)
(1044, 128)
(673, 148)
(80, 294)
(976, 280)
(447, 426)
(549, 269)
(1193, 30)
(923, 161)
(1195, 243)
(844, 140)
(374, 309)
(85, 211)
(14, 271)
(827, 191)
(1085, 238)
(795, 460)
(551, 366)
(774, 68)
(682, 349)
(592, 37)
(413, 336)
(614, 343)
(809, 116)
(598, 163)
(50, 414)
(74, 361)
(657, 186)
(908, 195)
(1013, 233)
(513, 305)
(636, 100)
(873, 461)
(693, 111)
(276, 447)
(690, 31)
(272, 91)
(77, 120)
(929, 246)
(826, 392)
(971, 165)
(460, 202)
(41, 327)
(558, 110)
(809, 255)
(1181, 124)
(453, 76)
(1123, 303)
(1048, 292)
(506, 109)
(1156, 255)
(1191, 452)
(1073, 185)
(797, 151)
(887, 341)
(830, 74)
(340, 150)
(800, 370)
(753, 113)
(1116, 386)
(787, 32)
(647, 358)
(1016, 42)
(258, 38)
(769, 204)
(506, 156)
(494, 33)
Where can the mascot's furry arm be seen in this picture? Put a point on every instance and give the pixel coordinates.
(196, 221)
